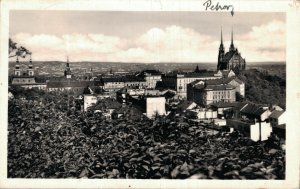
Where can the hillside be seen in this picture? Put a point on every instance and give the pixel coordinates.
(262, 87)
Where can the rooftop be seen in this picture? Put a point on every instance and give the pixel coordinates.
(253, 109)
(276, 114)
(123, 79)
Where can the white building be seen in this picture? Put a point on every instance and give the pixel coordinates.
(151, 77)
(88, 101)
(202, 113)
(278, 119)
(255, 131)
(179, 82)
(155, 106)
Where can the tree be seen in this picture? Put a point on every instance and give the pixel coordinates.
(15, 50)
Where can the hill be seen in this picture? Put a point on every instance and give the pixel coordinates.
(262, 87)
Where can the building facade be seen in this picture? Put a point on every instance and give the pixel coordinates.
(151, 77)
(207, 92)
(113, 84)
(179, 82)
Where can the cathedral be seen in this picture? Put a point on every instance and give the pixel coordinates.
(231, 60)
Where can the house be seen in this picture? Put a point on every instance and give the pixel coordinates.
(256, 131)
(237, 83)
(155, 106)
(228, 109)
(169, 95)
(278, 120)
(201, 113)
(150, 102)
(149, 105)
(257, 112)
(250, 119)
(107, 106)
(185, 105)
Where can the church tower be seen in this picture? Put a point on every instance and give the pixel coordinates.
(197, 70)
(17, 68)
(231, 48)
(68, 74)
(30, 70)
(221, 52)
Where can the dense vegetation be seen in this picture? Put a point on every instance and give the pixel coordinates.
(264, 88)
(48, 137)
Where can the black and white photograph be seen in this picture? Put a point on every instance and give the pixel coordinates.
(156, 95)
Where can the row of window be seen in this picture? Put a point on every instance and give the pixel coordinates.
(220, 96)
(24, 80)
(221, 92)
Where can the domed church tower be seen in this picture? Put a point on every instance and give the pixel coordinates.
(30, 70)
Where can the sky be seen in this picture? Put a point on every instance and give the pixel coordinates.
(110, 36)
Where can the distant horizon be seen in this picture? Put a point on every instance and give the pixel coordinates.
(86, 61)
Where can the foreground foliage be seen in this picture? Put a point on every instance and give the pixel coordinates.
(50, 140)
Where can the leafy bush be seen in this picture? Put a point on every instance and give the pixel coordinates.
(46, 141)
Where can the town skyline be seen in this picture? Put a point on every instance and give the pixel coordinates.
(150, 37)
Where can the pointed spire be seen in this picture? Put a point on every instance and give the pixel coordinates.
(17, 59)
(197, 69)
(232, 35)
(221, 36)
(231, 48)
(68, 62)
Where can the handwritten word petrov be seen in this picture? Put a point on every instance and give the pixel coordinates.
(209, 5)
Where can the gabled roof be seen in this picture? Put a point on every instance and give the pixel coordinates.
(222, 81)
(276, 114)
(253, 109)
(185, 104)
(169, 94)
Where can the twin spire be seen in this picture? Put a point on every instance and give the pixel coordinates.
(231, 48)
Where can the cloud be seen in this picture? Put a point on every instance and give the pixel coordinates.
(170, 44)
(264, 43)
